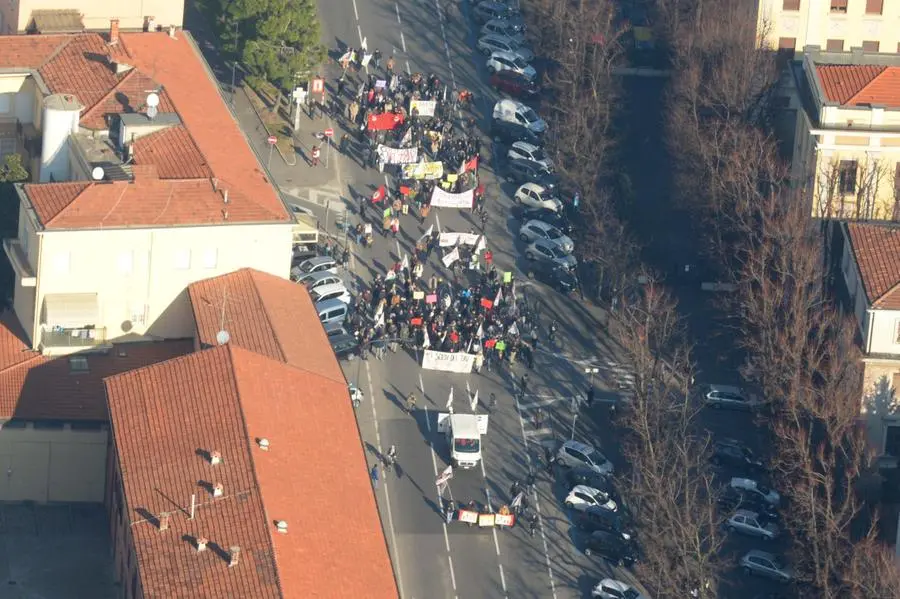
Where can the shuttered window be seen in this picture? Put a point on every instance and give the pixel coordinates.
(874, 7)
(870, 46)
(834, 45)
(790, 5)
(839, 6)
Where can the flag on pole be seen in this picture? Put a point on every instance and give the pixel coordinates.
(474, 404)
(404, 265)
(517, 500)
(450, 401)
(426, 343)
(471, 165)
(390, 276)
(514, 330)
(444, 476)
(379, 195)
(498, 297)
(468, 391)
(365, 43)
(480, 332)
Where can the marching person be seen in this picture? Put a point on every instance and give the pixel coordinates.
(390, 65)
(410, 403)
(315, 155)
(373, 474)
(376, 56)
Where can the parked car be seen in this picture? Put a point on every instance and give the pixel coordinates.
(551, 217)
(763, 563)
(302, 251)
(314, 264)
(507, 133)
(335, 329)
(751, 524)
(728, 396)
(750, 487)
(488, 10)
(522, 150)
(583, 475)
(573, 453)
(510, 61)
(505, 27)
(581, 498)
(526, 171)
(517, 112)
(345, 347)
(547, 251)
(319, 279)
(536, 229)
(490, 43)
(622, 552)
(554, 275)
(616, 522)
(734, 454)
(533, 195)
(514, 84)
(609, 588)
(731, 499)
(326, 292)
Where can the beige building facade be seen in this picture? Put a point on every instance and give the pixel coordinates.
(50, 16)
(836, 25)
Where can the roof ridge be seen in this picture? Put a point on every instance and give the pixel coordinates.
(251, 273)
(246, 438)
(887, 293)
(56, 52)
(36, 356)
(108, 94)
(882, 70)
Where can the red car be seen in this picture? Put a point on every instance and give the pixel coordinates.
(514, 84)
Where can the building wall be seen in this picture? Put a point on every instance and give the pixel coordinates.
(49, 461)
(815, 23)
(885, 336)
(141, 275)
(874, 196)
(132, 14)
(125, 567)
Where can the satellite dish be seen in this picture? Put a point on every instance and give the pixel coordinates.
(97, 173)
(153, 100)
(223, 337)
(152, 111)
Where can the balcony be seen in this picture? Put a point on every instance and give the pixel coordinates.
(61, 338)
(18, 258)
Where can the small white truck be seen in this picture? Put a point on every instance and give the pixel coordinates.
(464, 432)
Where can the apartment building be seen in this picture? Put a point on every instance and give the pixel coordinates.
(836, 25)
(846, 142)
(67, 16)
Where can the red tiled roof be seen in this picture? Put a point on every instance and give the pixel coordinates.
(877, 251)
(267, 315)
(83, 65)
(149, 201)
(857, 85)
(174, 153)
(37, 387)
(165, 418)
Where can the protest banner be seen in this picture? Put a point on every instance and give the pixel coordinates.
(452, 200)
(451, 239)
(385, 121)
(427, 171)
(451, 257)
(417, 295)
(425, 107)
(431, 298)
(448, 362)
(390, 155)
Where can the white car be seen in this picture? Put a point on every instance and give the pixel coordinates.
(751, 488)
(488, 44)
(319, 279)
(532, 195)
(356, 395)
(311, 265)
(510, 61)
(512, 111)
(503, 27)
(536, 229)
(763, 563)
(335, 291)
(728, 396)
(751, 524)
(582, 497)
(522, 150)
(609, 588)
(573, 453)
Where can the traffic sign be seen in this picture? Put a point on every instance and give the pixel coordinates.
(272, 140)
(329, 132)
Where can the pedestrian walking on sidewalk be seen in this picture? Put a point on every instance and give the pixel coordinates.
(376, 56)
(374, 475)
(315, 155)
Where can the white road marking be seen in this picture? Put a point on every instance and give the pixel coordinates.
(427, 420)
(502, 576)
(408, 71)
(440, 502)
(403, 42)
(541, 432)
(487, 493)
(397, 6)
(550, 400)
(355, 12)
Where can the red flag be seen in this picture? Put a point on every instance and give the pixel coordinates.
(471, 165)
(378, 195)
(486, 303)
(416, 322)
(404, 190)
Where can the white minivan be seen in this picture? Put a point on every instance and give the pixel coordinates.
(332, 311)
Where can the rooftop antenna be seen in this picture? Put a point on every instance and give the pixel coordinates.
(223, 336)
(152, 105)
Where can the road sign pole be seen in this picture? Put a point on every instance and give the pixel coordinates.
(269, 161)
(327, 151)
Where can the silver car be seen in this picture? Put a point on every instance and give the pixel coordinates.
(547, 251)
(751, 524)
(503, 27)
(763, 563)
(510, 61)
(536, 229)
(728, 396)
(488, 44)
(311, 265)
(522, 150)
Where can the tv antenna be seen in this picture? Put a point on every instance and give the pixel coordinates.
(223, 336)
(152, 105)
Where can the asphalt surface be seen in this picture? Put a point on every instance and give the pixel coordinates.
(432, 559)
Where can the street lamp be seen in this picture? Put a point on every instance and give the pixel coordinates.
(591, 371)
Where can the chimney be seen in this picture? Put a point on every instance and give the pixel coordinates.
(164, 521)
(114, 31)
(234, 556)
(201, 544)
(218, 489)
(281, 526)
(215, 457)
(225, 196)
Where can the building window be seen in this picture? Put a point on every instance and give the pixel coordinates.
(6, 103)
(62, 262)
(182, 259)
(839, 6)
(790, 5)
(874, 7)
(786, 47)
(78, 364)
(870, 46)
(210, 258)
(834, 45)
(897, 331)
(847, 176)
(125, 262)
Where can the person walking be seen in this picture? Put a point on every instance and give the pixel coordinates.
(410, 403)
(315, 155)
(373, 474)
(390, 65)
(523, 383)
(376, 56)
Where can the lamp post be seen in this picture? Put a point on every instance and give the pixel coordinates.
(591, 371)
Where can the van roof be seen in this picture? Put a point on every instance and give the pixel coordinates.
(330, 304)
(465, 426)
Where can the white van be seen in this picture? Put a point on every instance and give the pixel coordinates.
(332, 311)
(336, 291)
(520, 114)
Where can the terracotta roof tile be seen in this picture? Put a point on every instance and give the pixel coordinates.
(28, 51)
(855, 85)
(128, 96)
(877, 251)
(174, 153)
(267, 315)
(166, 416)
(37, 387)
(81, 67)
